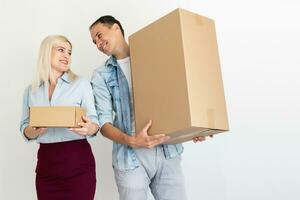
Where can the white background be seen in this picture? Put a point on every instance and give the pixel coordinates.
(259, 44)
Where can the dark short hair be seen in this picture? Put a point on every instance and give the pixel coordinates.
(109, 21)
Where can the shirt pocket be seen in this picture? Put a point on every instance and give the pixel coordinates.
(114, 90)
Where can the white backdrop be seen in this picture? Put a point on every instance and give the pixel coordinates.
(259, 44)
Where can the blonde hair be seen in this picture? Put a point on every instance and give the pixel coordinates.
(44, 70)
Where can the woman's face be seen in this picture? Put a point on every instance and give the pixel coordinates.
(61, 57)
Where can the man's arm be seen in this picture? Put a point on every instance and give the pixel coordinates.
(139, 140)
(103, 103)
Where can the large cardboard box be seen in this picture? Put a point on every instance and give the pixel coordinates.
(176, 77)
(56, 116)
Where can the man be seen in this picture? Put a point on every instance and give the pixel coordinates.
(140, 161)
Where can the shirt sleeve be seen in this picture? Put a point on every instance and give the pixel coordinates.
(25, 114)
(103, 100)
(88, 103)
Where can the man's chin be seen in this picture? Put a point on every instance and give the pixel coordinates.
(104, 52)
(107, 53)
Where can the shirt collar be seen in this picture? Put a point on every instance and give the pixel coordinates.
(65, 77)
(111, 62)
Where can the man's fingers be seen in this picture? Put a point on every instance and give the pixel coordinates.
(147, 125)
(157, 136)
(166, 138)
(157, 139)
(199, 139)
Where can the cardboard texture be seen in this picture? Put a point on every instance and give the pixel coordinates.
(176, 77)
(56, 116)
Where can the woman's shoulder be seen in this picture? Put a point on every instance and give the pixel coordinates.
(28, 88)
(82, 81)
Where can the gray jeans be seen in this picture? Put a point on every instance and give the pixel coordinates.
(162, 176)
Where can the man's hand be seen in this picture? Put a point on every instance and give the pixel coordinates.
(143, 140)
(87, 127)
(200, 138)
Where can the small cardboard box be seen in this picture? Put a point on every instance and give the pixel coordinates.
(176, 77)
(56, 116)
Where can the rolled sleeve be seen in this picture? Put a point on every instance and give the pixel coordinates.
(103, 102)
(25, 114)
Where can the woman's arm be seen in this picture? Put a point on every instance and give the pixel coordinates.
(90, 124)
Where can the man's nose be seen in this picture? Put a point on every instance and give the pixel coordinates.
(98, 43)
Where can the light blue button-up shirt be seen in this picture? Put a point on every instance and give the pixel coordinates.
(112, 102)
(66, 93)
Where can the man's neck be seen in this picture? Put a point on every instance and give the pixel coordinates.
(122, 51)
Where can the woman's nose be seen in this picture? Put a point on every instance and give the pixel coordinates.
(67, 55)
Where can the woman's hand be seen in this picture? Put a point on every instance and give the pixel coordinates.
(33, 132)
(87, 127)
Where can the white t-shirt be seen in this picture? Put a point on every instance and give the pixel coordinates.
(125, 66)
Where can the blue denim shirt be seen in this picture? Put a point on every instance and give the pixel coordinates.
(67, 93)
(112, 100)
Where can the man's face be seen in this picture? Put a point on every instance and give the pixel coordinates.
(105, 38)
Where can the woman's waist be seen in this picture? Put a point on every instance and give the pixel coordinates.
(58, 135)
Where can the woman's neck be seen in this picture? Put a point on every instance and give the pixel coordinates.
(55, 76)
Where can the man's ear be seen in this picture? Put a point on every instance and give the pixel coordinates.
(115, 26)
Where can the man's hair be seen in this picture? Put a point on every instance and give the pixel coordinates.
(107, 20)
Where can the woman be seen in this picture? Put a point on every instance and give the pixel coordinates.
(66, 166)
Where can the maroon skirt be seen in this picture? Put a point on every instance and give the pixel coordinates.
(66, 170)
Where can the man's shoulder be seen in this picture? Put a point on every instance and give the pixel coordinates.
(103, 72)
(103, 69)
